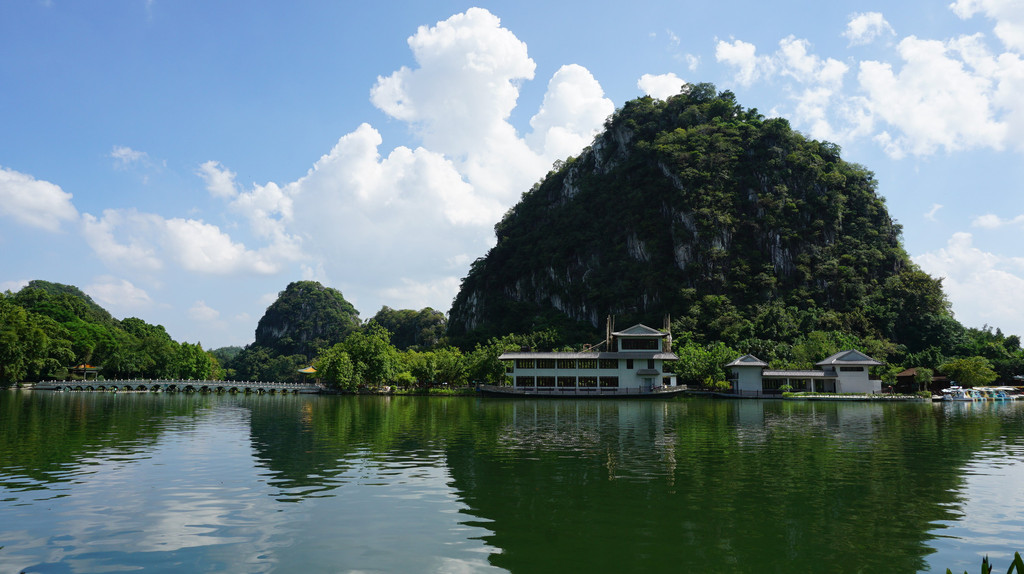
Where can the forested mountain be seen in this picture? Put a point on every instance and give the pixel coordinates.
(45, 328)
(305, 317)
(743, 230)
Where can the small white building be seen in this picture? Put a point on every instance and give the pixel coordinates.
(632, 361)
(843, 372)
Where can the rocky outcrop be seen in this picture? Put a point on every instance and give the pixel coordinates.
(680, 200)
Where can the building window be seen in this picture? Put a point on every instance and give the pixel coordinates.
(650, 363)
(545, 363)
(609, 382)
(588, 381)
(524, 363)
(545, 381)
(525, 381)
(851, 368)
(587, 363)
(566, 363)
(609, 363)
(640, 344)
(566, 381)
(629, 363)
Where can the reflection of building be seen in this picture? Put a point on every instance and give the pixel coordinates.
(632, 362)
(843, 372)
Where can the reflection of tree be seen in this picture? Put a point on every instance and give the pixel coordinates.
(735, 486)
(310, 443)
(41, 433)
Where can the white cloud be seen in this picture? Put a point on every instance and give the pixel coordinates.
(119, 296)
(936, 100)
(202, 312)
(220, 182)
(943, 95)
(137, 250)
(660, 86)
(573, 108)
(380, 222)
(983, 287)
(992, 221)
(930, 215)
(147, 241)
(34, 202)
(865, 27)
(743, 56)
(1008, 14)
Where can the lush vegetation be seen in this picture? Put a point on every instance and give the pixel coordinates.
(48, 328)
(754, 238)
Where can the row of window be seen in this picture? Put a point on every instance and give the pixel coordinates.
(575, 363)
(563, 382)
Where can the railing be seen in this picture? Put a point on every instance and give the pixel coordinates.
(577, 391)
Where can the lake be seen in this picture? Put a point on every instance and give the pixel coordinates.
(102, 482)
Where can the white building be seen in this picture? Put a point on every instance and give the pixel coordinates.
(632, 362)
(843, 372)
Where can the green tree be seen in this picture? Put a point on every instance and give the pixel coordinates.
(701, 364)
(31, 345)
(969, 371)
(923, 377)
(375, 360)
(335, 369)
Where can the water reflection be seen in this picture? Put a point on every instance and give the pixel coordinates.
(99, 482)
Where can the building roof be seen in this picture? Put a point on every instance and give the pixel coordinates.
(638, 355)
(797, 374)
(848, 357)
(639, 330)
(747, 361)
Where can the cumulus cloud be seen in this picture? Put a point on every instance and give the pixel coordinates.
(743, 56)
(937, 100)
(573, 106)
(33, 202)
(938, 95)
(147, 241)
(660, 86)
(983, 287)
(118, 295)
(815, 88)
(384, 223)
(1008, 14)
(865, 27)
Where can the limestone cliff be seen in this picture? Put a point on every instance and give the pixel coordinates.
(734, 224)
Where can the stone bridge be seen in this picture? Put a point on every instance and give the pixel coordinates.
(158, 386)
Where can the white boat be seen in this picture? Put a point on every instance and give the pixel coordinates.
(957, 393)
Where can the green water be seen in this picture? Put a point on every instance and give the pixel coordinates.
(96, 482)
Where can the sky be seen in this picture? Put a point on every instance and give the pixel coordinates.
(183, 162)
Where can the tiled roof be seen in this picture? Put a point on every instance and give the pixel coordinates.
(848, 357)
(747, 361)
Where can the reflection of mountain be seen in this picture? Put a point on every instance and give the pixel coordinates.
(730, 486)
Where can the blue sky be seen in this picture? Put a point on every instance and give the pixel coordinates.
(183, 161)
